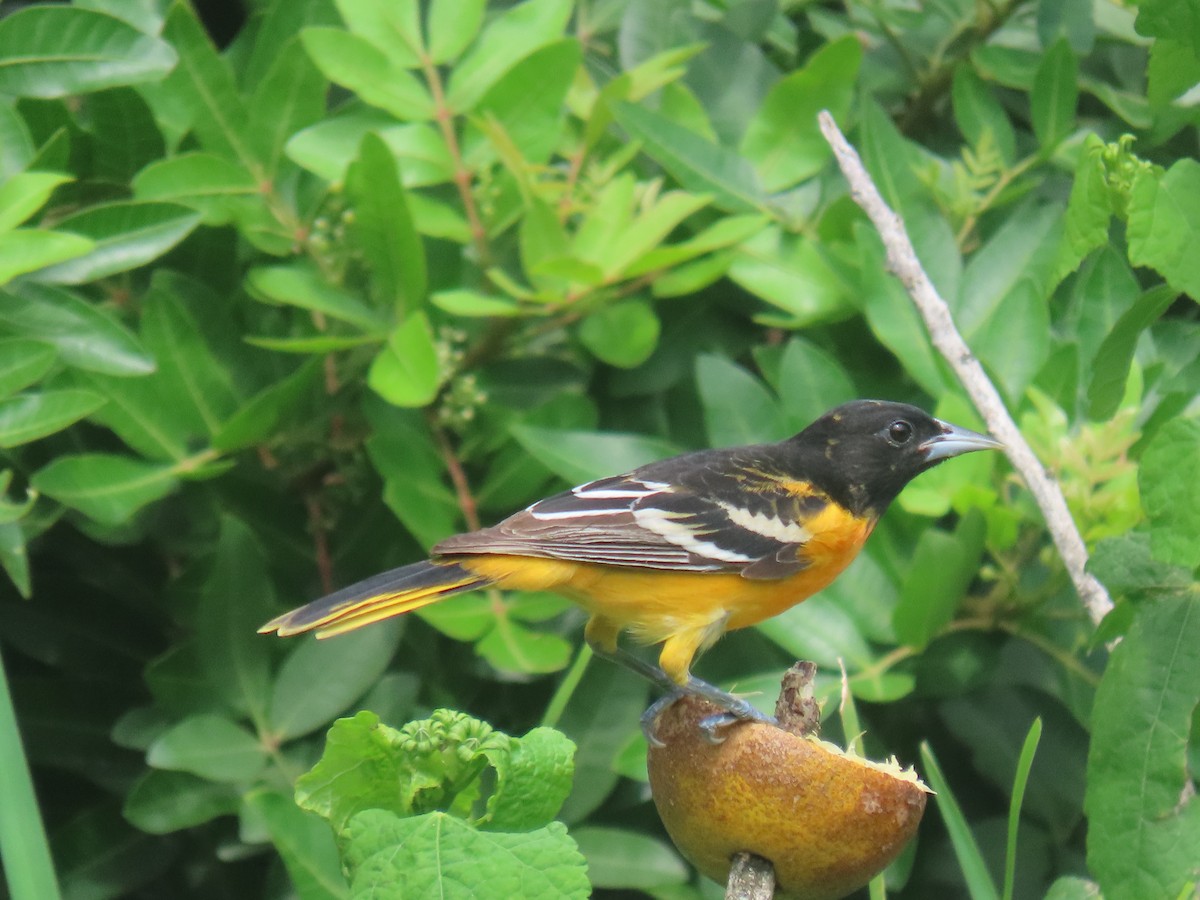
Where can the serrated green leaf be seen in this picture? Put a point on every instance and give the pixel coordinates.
(621, 334)
(126, 234)
(506, 40)
(383, 226)
(1128, 569)
(1169, 482)
(783, 141)
(25, 250)
(406, 371)
(27, 417)
(303, 697)
(436, 855)
(1055, 95)
(699, 165)
(531, 782)
(1140, 832)
(110, 489)
(1164, 227)
(211, 746)
(56, 51)
(355, 63)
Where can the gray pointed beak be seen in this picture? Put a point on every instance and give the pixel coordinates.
(954, 441)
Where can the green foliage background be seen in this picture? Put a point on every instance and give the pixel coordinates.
(281, 315)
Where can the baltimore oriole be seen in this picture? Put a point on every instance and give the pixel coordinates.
(680, 551)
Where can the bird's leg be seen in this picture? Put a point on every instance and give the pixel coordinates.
(735, 708)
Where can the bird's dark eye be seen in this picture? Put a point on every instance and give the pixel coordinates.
(900, 432)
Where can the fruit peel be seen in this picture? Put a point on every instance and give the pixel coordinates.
(827, 820)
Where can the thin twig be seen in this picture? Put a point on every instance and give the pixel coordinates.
(903, 263)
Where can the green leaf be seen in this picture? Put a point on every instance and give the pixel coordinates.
(27, 417)
(1128, 569)
(511, 647)
(127, 234)
(471, 304)
(1071, 20)
(24, 194)
(1024, 764)
(305, 844)
(403, 452)
(84, 334)
(290, 97)
(811, 381)
(110, 489)
(979, 115)
(436, 855)
(783, 141)
(1143, 826)
(328, 147)
(820, 630)
(1070, 887)
(260, 416)
(699, 165)
(394, 27)
(532, 781)
(303, 697)
(789, 272)
(621, 334)
(581, 456)
(1002, 309)
(302, 286)
(1169, 481)
(22, 362)
(163, 802)
(211, 746)
(966, 850)
(738, 409)
(14, 558)
(204, 181)
(452, 25)
(358, 65)
(235, 599)
(56, 51)
(383, 227)
(32, 249)
(507, 39)
(1110, 368)
(1055, 95)
(1164, 228)
(942, 568)
(406, 371)
(619, 859)
(1088, 211)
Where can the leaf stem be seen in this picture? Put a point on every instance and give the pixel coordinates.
(566, 687)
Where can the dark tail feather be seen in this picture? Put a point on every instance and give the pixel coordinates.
(378, 597)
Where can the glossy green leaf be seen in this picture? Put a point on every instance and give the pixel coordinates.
(738, 408)
(84, 334)
(22, 362)
(203, 181)
(126, 234)
(1164, 228)
(303, 697)
(506, 40)
(1110, 368)
(452, 25)
(788, 271)
(622, 334)
(211, 746)
(261, 415)
(56, 51)
(383, 227)
(33, 250)
(304, 287)
(1055, 95)
(581, 456)
(27, 417)
(406, 371)
(24, 194)
(1143, 823)
(328, 147)
(394, 27)
(471, 304)
(290, 97)
(110, 489)
(783, 141)
(628, 859)
(811, 382)
(942, 568)
(1169, 481)
(358, 65)
(696, 163)
(15, 558)
(163, 802)
(819, 630)
(305, 843)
